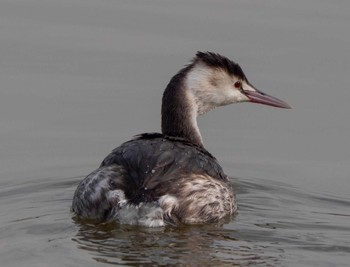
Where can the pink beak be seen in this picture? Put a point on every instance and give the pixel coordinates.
(265, 99)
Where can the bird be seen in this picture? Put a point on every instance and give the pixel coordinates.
(169, 178)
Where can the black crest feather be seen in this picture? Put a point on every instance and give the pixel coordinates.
(217, 61)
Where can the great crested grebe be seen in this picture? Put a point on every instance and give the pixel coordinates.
(169, 177)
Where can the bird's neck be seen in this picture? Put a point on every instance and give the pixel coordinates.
(179, 111)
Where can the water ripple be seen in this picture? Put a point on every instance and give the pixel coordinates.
(276, 225)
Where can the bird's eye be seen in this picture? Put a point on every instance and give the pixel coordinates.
(238, 84)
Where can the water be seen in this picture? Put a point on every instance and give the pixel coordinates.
(80, 77)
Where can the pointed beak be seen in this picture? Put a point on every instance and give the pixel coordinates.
(265, 99)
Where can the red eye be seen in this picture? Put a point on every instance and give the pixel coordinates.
(238, 85)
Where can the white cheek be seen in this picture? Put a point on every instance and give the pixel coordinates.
(235, 96)
(247, 87)
(225, 96)
(197, 77)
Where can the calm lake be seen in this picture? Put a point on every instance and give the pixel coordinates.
(79, 77)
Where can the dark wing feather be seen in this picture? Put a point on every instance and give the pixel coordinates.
(155, 162)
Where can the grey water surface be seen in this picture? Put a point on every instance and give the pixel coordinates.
(79, 77)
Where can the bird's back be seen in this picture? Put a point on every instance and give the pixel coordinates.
(154, 168)
(154, 162)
